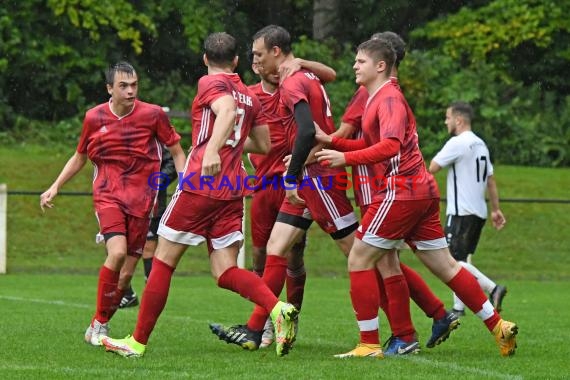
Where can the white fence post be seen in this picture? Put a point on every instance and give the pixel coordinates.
(3, 226)
(241, 254)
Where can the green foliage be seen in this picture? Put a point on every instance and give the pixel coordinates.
(521, 114)
(508, 57)
(497, 28)
(341, 90)
(96, 16)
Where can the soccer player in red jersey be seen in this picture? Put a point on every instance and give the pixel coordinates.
(433, 307)
(303, 101)
(208, 206)
(408, 209)
(267, 198)
(122, 139)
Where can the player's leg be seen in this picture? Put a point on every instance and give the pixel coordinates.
(137, 230)
(286, 231)
(154, 299)
(176, 233)
(296, 275)
(433, 252)
(226, 236)
(113, 227)
(388, 221)
(365, 298)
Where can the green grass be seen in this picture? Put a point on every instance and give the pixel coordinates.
(62, 239)
(42, 335)
(48, 296)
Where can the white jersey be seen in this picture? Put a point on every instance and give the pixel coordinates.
(469, 167)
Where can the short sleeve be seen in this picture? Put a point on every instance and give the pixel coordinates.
(293, 91)
(84, 138)
(166, 133)
(450, 152)
(212, 87)
(355, 108)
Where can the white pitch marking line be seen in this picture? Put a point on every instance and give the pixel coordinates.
(432, 363)
(90, 371)
(461, 369)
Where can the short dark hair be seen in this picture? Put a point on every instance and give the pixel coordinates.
(397, 43)
(380, 49)
(462, 108)
(275, 35)
(122, 66)
(220, 48)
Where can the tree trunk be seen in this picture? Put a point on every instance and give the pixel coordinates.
(325, 18)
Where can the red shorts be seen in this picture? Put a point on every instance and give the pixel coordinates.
(265, 206)
(325, 204)
(113, 221)
(191, 219)
(388, 223)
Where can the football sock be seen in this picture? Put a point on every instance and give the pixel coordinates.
(469, 291)
(422, 295)
(485, 282)
(295, 281)
(249, 286)
(399, 306)
(106, 294)
(147, 263)
(365, 295)
(382, 291)
(274, 276)
(153, 299)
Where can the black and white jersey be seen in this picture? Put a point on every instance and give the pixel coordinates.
(469, 164)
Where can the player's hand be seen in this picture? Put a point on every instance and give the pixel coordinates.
(321, 136)
(498, 219)
(334, 158)
(211, 164)
(287, 162)
(288, 68)
(293, 197)
(47, 197)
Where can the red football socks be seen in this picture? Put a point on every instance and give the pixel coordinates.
(399, 306)
(106, 294)
(153, 299)
(422, 295)
(365, 296)
(468, 290)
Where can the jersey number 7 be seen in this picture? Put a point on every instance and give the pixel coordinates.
(481, 163)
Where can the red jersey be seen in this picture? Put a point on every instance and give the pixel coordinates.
(353, 116)
(355, 108)
(229, 183)
(271, 164)
(388, 115)
(125, 151)
(306, 86)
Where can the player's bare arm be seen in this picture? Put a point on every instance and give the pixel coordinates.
(334, 158)
(258, 140)
(225, 109)
(325, 73)
(178, 156)
(345, 130)
(71, 168)
(497, 216)
(434, 167)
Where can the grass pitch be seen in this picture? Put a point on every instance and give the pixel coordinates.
(43, 319)
(48, 297)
